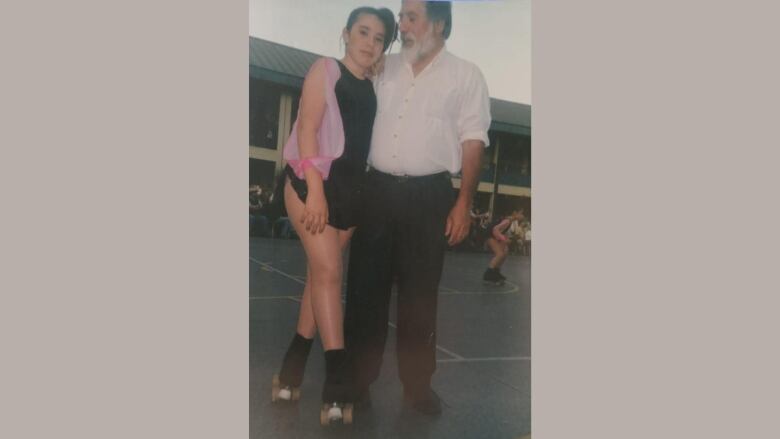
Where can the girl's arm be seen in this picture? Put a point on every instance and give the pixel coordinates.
(498, 230)
(315, 214)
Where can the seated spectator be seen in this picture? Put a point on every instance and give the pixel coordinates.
(283, 228)
(527, 241)
(473, 240)
(515, 235)
(276, 212)
(258, 223)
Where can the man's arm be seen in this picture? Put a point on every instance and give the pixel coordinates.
(458, 220)
(473, 126)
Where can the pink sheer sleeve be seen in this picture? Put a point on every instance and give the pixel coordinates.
(330, 136)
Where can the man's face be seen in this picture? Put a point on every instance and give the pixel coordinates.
(416, 30)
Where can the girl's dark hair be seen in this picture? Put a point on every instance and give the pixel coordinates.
(384, 15)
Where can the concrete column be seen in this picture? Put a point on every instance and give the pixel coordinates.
(285, 125)
(495, 176)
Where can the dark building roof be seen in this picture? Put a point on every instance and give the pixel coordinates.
(287, 65)
(278, 63)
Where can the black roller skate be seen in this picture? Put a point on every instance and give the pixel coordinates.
(286, 385)
(493, 277)
(336, 393)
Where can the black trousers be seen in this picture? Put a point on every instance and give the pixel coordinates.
(399, 238)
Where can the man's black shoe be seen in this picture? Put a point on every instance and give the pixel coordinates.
(363, 399)
(426, 402)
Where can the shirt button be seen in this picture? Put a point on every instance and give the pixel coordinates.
(400, 117)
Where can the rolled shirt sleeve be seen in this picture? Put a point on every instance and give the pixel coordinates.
(474, 116)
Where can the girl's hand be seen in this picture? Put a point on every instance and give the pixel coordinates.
(315, 212)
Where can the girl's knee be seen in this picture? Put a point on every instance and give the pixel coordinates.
(328, 271)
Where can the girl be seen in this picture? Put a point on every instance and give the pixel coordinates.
(326, 156)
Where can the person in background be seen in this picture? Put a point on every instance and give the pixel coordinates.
(515, 235)
(258, 223)
(498, 242)
(478, 222)
(527, 240)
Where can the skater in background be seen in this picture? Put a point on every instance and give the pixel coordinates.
(498, 242)
(326, 157)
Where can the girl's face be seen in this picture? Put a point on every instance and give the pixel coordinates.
(365, 40)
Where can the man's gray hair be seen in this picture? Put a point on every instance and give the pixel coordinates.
(440, 11)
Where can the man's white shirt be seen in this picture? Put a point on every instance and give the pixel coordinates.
(421, 121)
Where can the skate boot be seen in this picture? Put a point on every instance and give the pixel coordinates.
(492, 277)
(501, 277)
(286, 385)
(336, 393)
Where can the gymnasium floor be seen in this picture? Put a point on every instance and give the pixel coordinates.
(483, 354)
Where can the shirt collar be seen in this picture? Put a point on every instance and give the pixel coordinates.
(436, 59)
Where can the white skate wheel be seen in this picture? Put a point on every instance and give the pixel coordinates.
(285, 394)
(334, 414)
(347, 414)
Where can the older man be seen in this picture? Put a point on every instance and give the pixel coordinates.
(432, 121)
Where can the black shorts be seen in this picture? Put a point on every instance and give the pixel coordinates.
(342, 192)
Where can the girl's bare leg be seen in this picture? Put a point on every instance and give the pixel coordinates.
(500, 250)
(306, 325)
(320, 307)
(323, 253)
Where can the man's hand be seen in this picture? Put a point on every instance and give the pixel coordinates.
(377, 68)
(458, 224)
(459, 219)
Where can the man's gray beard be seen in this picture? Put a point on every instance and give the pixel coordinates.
(420, 48)
(411, 54)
